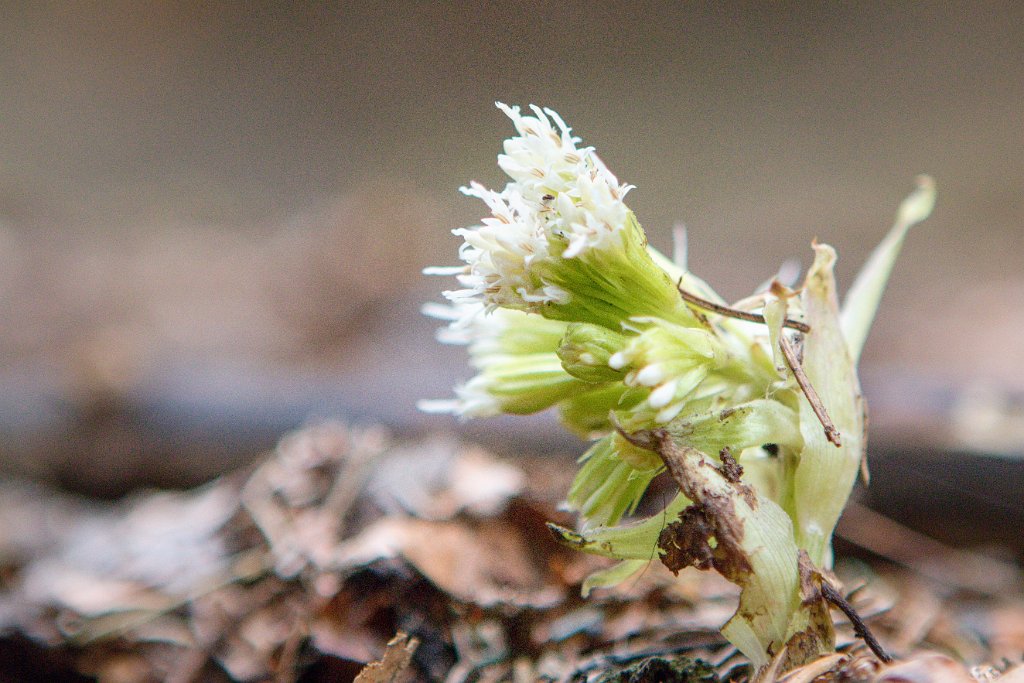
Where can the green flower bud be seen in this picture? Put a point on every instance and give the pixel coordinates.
(514, 353)
(672, 361)
(585, 350)
(586, 414)
(517, 384)
(527, 383)
(608, 486)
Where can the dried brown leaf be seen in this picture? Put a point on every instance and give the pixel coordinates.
(396, 659)
(484, 564)
(926, 668)
(808, 672)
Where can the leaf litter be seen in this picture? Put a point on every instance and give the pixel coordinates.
(347, 555)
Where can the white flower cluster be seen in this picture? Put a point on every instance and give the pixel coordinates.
(561, 201)
(560, 242)
(563, 304)
(672, 361)
(513, 352)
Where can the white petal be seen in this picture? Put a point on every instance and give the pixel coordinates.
(650, 375)
(444, 270)
(667, 414)
(617, 361)
(438, 406)
(663, 395)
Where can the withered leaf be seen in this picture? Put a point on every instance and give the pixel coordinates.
(395, 660)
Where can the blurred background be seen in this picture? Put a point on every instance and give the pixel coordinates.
(213, 215)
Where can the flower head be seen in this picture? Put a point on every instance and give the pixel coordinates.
(563, 304)
(515, 356)
(559, 240)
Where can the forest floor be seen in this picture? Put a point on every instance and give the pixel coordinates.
(346, 554)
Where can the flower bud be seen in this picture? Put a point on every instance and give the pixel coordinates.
(672, 361)
(585, 351)
(609, 486)
(587, 414)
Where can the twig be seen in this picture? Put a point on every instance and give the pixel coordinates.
(859, 627)
(831, 433)
(722, 309)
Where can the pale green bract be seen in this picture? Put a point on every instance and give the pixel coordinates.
(563, 304)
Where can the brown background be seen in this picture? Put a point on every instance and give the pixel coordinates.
(180, 152)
